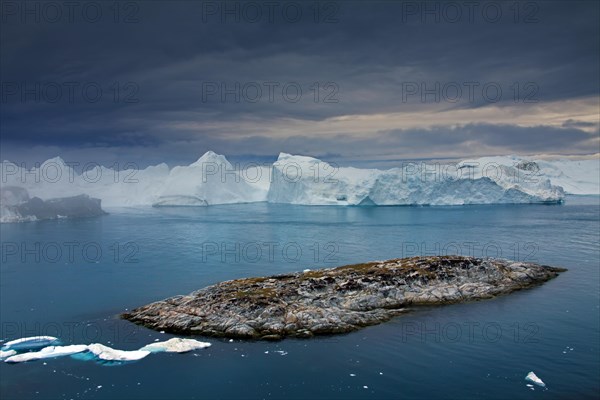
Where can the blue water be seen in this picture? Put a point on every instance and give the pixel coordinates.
(70, 278)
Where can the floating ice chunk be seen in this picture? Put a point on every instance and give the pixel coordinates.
(30, 343)
(532, 377)
(106, 353)
(47, 352)
(6, 354)
(175, 345)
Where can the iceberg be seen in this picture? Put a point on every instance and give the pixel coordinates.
(47, 352)
(29, 343)
(175, 345)
(16, 206)
(532, 377)
(309, 181)
(55, 189)
(210, 180)
(106, 353)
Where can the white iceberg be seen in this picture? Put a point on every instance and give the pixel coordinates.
(309, 181)
(28, 343)
(47, 352)
(106, 353)
(210, 180)
(532, 377)
(175, 345)
(301, 180)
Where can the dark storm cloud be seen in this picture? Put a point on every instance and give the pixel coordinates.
(170, 64)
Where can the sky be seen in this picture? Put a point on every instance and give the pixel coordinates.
(352, 82)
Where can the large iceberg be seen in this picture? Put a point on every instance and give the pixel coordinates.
(28, 194)
(307, 180)
(210, 180)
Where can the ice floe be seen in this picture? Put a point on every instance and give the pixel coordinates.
(175, 345)
(47, 352)
(6, 354)
(26, 349)
(28, 343)
(106, 353)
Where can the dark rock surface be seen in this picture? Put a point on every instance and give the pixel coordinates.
(335, 300)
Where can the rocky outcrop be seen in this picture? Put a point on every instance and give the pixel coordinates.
(335, 300)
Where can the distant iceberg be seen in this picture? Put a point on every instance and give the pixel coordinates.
(16, 206)
(55, 189)
(307, 180)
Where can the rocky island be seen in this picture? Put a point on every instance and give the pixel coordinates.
(336, 300)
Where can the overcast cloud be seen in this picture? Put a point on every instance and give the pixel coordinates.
(379, 80)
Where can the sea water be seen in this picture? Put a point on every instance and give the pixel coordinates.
(71, 279)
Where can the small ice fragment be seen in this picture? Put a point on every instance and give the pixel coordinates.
(532, 377)
(99, 387)
(306, 270)
(381, 373)
(267, 352)
(230, 340)
(365, 387)
(352, 374)
(161, 332)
